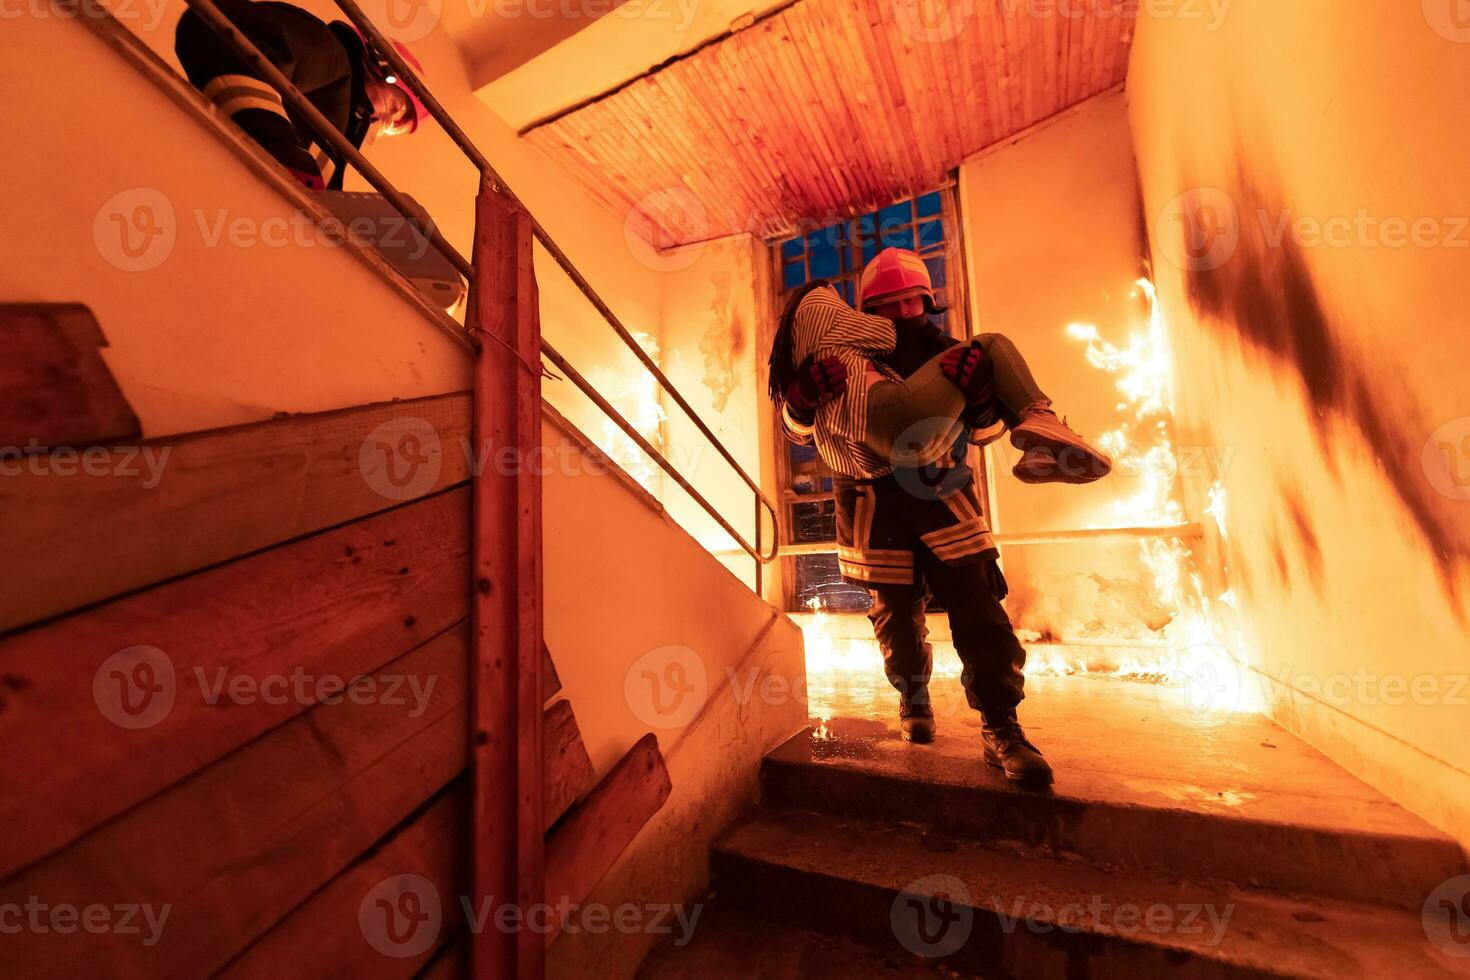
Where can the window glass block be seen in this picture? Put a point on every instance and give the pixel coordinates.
(899, 238)
(824, 263)
(828, 237)
(931, 235)
(792, 249)
(929, 204)
(895, 215)
(816, 521)
(793, 274)
(870, 249)
(937, 271)
(817, 578)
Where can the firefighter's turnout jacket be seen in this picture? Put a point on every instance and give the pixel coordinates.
(325, 61)
(885, 514)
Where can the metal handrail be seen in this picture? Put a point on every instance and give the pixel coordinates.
(1183, 532)
(332, 137)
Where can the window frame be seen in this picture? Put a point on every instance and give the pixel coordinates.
(958, 322)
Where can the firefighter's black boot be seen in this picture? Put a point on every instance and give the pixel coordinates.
(1007, 748)
(916, 721)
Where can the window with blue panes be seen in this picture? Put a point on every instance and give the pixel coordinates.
(838, 253)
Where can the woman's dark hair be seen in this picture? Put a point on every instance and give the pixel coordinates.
(782, 363)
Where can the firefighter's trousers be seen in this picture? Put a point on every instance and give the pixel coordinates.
(991, 656)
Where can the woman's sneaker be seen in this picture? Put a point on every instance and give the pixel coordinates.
(1052, 452)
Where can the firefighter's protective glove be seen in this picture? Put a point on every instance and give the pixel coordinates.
(817, 382)
(967, 368)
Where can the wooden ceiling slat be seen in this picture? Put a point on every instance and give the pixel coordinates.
(762, 143)
(691, 168)
(904, 138)
(871, 124)
(1051, 100)
(946, 99)
(825, 108)
(828, 152)
(757, 65)
(747, 177)
(865, 82)
(811, 41)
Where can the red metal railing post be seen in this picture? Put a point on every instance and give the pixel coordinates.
(508, 836)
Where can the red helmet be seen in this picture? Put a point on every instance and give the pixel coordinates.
(420, 111)
(894, 274)
(385, 72)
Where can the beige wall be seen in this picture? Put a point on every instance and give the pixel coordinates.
(1332, 364)
(432, 169)
(644, 585)
(1051, 237)
(204, 333)
(650, 634)
(708, 309)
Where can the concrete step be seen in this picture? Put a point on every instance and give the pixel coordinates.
(1142, 783)
(730, 943)
(918, 896)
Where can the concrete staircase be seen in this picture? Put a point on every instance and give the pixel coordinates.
(1174, 843)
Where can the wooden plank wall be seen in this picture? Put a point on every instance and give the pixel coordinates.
(175, 741)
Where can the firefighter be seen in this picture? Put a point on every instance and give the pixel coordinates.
(342, 75)
(905, 534)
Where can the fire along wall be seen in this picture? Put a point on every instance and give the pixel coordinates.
(1303, 175)
(1052, 238)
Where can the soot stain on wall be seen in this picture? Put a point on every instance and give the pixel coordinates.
(1306, 532)
(1266, 294)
